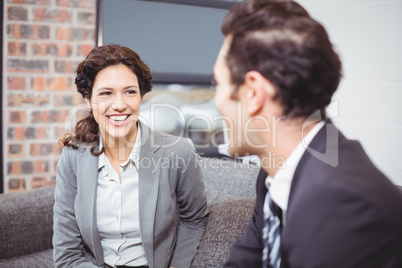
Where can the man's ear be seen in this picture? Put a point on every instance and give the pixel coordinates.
(258, 90)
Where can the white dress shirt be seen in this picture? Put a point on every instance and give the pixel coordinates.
(117, 211)
(279, 185)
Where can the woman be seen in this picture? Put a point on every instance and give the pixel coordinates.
(125, 196)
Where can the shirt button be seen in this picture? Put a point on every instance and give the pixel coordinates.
(117, 217)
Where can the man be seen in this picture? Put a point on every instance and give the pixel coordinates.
(275, 74)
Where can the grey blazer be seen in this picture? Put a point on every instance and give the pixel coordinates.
(172, 204)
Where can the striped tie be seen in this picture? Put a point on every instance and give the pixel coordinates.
(271, 234)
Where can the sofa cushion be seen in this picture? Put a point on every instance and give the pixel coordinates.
(227, 223)
(230, 176)
(230, 191)
(41, 259)
(22, 230)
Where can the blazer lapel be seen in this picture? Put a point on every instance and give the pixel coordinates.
(87, 176)
(148, 188)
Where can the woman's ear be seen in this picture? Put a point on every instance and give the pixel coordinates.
(88, 102)
(258, 90)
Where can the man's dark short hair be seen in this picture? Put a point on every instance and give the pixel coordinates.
(280, 40)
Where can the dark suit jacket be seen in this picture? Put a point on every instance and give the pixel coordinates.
(342, 211)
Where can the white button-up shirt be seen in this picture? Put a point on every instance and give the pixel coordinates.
(279, 185)
(117, 211)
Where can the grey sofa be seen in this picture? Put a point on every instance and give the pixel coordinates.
(26, 219)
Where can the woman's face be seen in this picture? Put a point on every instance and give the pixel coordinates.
(115, 103)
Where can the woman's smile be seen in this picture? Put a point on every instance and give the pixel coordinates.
(118, 120)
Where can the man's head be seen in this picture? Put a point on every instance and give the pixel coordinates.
(282, 42)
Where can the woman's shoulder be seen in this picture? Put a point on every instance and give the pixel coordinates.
(174, 141)
(69, 151)
(165, 141)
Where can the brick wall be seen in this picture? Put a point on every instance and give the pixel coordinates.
(367, 105)
(43, 40)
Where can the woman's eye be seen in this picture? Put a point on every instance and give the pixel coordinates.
(131, 92)
(105, 93)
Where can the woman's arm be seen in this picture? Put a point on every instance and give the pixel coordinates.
(68, 248)
(193, 208)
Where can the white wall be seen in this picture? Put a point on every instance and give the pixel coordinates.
(368, 104)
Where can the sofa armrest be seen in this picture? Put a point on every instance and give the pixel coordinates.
(26, 222)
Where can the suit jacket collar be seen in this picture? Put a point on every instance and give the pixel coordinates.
(87, 176)
(148, 183)
(324, 147)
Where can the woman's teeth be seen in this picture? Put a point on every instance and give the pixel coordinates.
(118, 117)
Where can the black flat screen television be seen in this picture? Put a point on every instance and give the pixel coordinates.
(178, 39)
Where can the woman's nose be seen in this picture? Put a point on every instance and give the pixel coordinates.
(119, 104)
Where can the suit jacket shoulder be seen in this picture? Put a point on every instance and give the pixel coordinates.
(341, 215)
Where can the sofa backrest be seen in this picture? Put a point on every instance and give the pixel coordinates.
(26, 222)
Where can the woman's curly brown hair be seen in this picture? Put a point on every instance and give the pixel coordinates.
(87, 130)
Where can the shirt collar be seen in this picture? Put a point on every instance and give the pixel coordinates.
(134, 155)
(279, 185)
